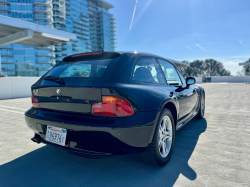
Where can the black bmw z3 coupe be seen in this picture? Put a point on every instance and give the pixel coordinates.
(110, 103)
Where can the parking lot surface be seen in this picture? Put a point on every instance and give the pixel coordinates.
(212, 152)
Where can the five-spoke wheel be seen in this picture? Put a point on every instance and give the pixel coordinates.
(201, 109)
(165, 136)
(160, 149)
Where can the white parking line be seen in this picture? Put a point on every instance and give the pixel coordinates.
(12, 107)
(12, 111)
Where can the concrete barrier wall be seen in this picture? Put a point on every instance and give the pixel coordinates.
(231, 79)
(16, 87)
(198, 80)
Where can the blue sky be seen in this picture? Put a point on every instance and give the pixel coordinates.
(185, 29)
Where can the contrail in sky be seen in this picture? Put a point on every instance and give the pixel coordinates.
(242, 43)
(143, 10)
(202, 48)
(133, 16)
(190, 48)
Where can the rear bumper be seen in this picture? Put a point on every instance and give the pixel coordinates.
(96, 139)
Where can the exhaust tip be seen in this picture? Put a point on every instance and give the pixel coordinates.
(36, 139)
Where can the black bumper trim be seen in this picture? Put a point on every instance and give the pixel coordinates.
(106, 140)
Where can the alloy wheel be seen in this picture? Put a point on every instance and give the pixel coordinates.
(165, 136)
(202, 105)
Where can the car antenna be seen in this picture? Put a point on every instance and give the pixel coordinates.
(102, 48)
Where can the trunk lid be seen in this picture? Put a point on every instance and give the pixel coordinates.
(68, 99)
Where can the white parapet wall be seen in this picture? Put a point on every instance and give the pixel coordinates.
(16, 87)
(198, 80)
(233, 79)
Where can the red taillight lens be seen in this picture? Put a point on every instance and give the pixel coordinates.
(35, 102)
(112, 106)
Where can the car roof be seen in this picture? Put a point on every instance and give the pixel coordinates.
(151, 55)
(133, 53)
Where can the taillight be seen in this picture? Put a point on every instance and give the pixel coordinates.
(112, 106)
(35, 102)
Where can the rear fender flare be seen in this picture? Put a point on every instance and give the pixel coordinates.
(200, 91)
(164, 104)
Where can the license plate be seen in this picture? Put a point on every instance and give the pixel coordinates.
(56, 135)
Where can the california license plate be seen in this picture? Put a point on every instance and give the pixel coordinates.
(56, 135)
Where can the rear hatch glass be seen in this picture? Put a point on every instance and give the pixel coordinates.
(84, 69)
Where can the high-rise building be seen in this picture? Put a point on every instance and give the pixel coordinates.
(90, 20)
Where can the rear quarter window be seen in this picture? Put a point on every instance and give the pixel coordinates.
(148, 70)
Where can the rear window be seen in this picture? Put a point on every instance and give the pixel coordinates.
(84, 69)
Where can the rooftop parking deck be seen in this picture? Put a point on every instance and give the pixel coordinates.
(212, 152)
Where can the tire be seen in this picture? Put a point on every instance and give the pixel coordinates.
(201, 111)
(154, 153)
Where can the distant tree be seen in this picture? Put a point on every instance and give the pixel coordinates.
(240, 73)
(245, 70)
(202, 68)
(80, 73)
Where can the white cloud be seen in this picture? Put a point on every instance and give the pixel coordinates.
(233, 66)
(133, 16)
(190, 48)
(242, 57)
(242, 43)
(202, 48)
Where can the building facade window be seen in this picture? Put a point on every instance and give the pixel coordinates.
(90, 20)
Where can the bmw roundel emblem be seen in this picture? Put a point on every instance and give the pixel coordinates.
(58, 91)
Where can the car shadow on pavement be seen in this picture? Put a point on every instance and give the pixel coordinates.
(49, 166)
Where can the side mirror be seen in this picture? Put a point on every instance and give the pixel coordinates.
(190, 80)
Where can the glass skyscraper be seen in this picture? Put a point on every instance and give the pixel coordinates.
(90, 20)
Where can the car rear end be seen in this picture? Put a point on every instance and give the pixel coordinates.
(72, 109)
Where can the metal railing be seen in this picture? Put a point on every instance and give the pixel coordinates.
(41, 1)
(50, 54)
(64, 53)
(8, 61)
(84, 19)
(59, 9)
(58, 14)
(81, 27)
(84, 15)
(45, 61)
(56, 20)
(59, 48)
(82, 36)
(58, 58)
(4, 14)
(75, 48)
(75, 44)
(58, 53)
(7, 46)
(44, 17)
(42, 9)
(56, 3)
(4, 7)
(92, 9)
(4, 1)
(3, 53)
